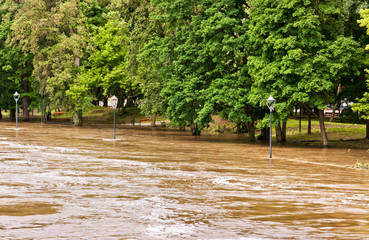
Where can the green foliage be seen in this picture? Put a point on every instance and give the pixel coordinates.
(298, 54)
(55, 34)
(362, 105)
(186, 59)
(13, 65)
(200, 51)
(108, 64)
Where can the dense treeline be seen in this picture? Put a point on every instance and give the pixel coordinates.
(187, 59)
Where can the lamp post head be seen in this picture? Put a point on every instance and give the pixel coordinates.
(16, 96)
(270, 103)
(114, 101)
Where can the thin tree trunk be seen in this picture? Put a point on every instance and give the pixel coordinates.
(251, 130)
(281, 132)
(195, 130)
(12, 114)
(122, 98)
(48, 112)
(284, 131)
(25, 98)
(278, 132)
(1, 114)
(77, 118)
(153, 123)
(322, 128)
(264, 134)
(309, 122)
(130, 102)
(105, 101)
(367, 129)
(336, 104)
(77, 61)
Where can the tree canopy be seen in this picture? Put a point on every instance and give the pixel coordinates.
(187, 59)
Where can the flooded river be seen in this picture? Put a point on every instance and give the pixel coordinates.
(61, 182)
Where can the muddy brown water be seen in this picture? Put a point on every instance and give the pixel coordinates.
(61, 182)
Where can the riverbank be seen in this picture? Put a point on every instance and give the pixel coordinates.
(340, 135)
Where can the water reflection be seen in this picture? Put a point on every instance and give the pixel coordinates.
(74, 183)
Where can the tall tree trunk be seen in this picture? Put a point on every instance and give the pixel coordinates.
(105, 101)
(284, 131)
(251, 130)
(12, 114)
(153, 122)
(77, 61)
(336, 104)
(322, 128)
(281, 132)
(367, 129)
(77, 118)
(309, 122)
(25, 98)
(195, 130)
(48, 113)
(278, 133)
(264, 134)
(1, 114)
(122, 98)
(130, 102)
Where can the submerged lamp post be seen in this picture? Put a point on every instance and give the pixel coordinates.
(16, 98)
(270, 103)
(114, 102)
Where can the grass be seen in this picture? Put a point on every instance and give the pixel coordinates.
(340, 135)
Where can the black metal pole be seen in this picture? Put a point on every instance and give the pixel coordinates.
(16, 113)
(114, 123)
(270, 135)
(300, 121)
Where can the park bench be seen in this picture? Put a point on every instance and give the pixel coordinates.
(145, 120)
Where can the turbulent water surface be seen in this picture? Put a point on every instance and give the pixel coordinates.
(61, 182)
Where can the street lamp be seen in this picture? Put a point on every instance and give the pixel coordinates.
(270, 103)
(16, 98)
(114, 102)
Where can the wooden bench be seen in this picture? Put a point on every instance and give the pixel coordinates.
(145, 120)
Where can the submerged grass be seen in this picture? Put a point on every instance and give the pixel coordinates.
(340, 135)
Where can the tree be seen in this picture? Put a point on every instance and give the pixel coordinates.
(362, 104)
(108, 59)
(15, 70)
(55, 33)
(224, 29)
(200, 46)
(299, 54)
